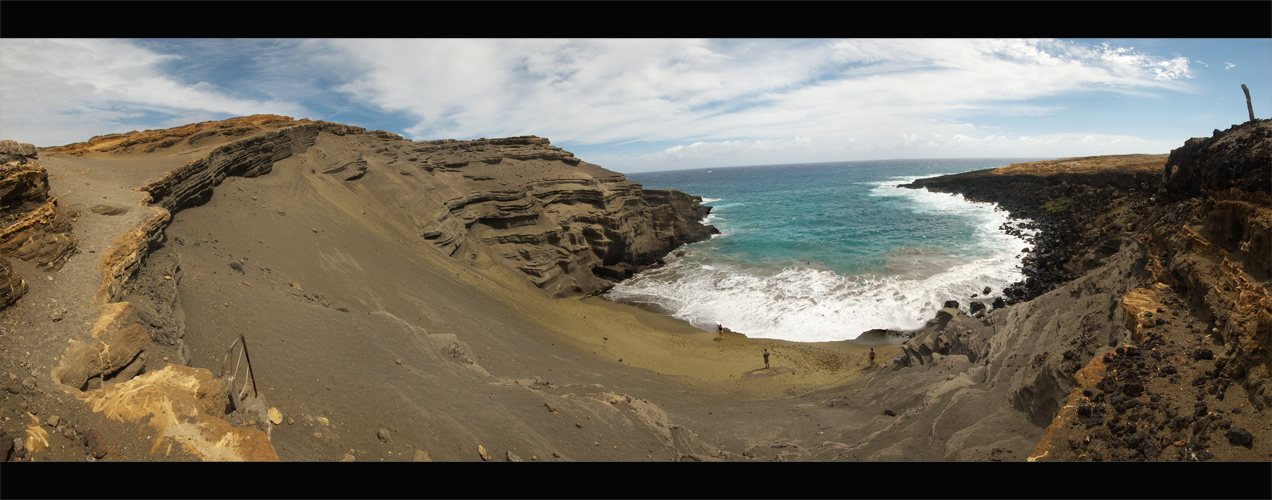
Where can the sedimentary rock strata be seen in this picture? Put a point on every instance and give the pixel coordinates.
(559, 225)
(32, 226)
(530, 205)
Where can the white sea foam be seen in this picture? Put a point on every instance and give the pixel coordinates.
(805, 304)
(813, 304)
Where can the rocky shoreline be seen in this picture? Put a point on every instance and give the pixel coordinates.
(1054, 198)
(1183, 269)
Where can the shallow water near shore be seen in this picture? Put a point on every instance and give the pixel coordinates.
(824, 252)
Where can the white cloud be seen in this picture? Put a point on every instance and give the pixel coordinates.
(96, 84)
(745, 100)
(1228, 65)
(600, 91)
(730, 149)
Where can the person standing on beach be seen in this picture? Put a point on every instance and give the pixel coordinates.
(766, 365)
(872, 356)
(721, 329)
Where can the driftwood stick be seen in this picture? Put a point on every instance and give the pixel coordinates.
(1248, 106)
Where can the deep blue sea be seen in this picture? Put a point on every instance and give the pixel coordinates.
(826, 251)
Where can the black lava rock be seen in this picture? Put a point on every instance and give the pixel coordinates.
(1240, 437)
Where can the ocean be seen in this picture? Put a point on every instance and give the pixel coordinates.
(826, 251)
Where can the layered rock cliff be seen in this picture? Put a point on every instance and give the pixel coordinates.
(523, 203)
(32, 227)
(532, 206)
(560, 227)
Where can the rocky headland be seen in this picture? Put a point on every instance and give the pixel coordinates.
(1143, 329)
(435, 300)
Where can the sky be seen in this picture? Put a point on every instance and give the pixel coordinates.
(636, 105)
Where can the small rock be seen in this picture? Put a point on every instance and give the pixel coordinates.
(889, 413)
(421, 456)
(276, 416)
(108, 210)
(6, 446)
(348, 458)
(52, 422)
(550, 407)
(512, 457)
(481, 450)
(1240, 437)
(383, 434)
(96, 445)
(322, 421)
(58, 315)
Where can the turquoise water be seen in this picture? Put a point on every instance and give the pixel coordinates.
(826, 251)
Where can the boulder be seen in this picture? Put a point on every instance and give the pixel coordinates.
(12, 286)
(16, 151)
(1238, 157)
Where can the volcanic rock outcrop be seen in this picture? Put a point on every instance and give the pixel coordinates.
(1056, 197)
(1150, 322)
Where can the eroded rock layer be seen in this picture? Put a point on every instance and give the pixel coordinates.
(32, 227)
(560, 228)
(529, 205)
